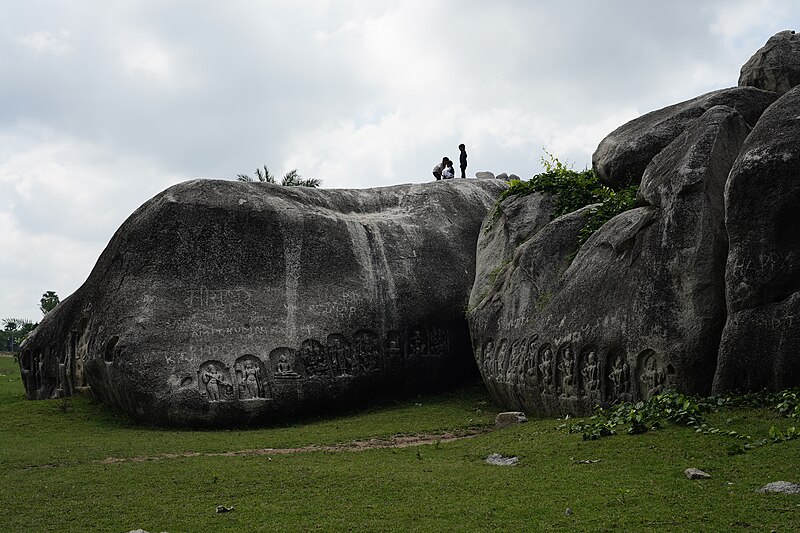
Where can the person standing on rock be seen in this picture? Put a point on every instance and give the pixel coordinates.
(437, 170)
(462, 159)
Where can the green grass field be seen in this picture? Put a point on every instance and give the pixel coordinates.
(87, 469)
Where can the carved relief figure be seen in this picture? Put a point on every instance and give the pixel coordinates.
(502, 360)
(417, 342)
(651, 375)
(249, 376)
(283, 366)
(566, 369)
(214, 382)
(340, 354)
(440, 341)
(530, 364)
(394, 343)
(515, 365)
(591, 376)
(488, 358)
(314, 358)
(620, 377)
(366, 351)
(546, 369)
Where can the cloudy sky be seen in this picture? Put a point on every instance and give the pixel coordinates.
(106, 103)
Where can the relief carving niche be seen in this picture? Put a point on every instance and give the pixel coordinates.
(214, 382)
(251, 377)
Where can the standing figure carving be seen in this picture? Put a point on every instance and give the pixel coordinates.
(567, 370)
(440, 341)
(502, 361)
(620, 377)
(546, 370)
(652, 376)
(251, 380)
(591, 376)
(417, 344)
(215, 383)
(488, 358)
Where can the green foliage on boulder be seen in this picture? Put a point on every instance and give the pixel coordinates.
(576, 189)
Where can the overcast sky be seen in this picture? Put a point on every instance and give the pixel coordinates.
(106, 103)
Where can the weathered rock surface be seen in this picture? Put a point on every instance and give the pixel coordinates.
(641, 306)
(776, 66)
(222, 302)
(484, 175)
(761, 342)
(696, 473)
(621, 158)
(782, 487)
(509, 418)
(499, 460)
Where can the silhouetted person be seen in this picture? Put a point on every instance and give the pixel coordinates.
(463, 160)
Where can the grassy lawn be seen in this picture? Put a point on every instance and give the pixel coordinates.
(56, 476)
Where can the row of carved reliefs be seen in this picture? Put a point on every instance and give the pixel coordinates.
(339, 356)
(564, 373)
(217, 382)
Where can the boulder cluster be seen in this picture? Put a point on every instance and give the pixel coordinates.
(220, 303)
(695, 289)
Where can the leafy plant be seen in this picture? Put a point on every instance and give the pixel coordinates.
(680, 409)
(48, 302)
(573, 190)
(290, 179)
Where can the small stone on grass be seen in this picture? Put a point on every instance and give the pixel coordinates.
(783, 487)
(696, 473)
(509, 418)
(498, 460)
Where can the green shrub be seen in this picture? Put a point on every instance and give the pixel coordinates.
(651, 414)
(573, 190)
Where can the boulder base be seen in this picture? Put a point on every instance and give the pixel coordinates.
(220, 303)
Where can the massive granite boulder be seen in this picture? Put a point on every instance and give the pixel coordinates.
(761, 342)
(621, 157)
(639, 309)
(220, 302)
(776, 66)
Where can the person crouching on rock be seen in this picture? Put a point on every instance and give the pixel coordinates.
(437, 170)
(447, 172)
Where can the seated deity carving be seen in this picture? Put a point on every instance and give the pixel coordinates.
(284, 369)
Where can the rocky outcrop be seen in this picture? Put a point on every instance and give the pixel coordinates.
(761, 341)
(641, 306)
(776, 66)
(621, 158)
(220, 302)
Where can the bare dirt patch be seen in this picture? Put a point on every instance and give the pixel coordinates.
(397, 441)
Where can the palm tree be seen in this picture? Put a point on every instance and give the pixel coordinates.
(264, 176)
(290, 179)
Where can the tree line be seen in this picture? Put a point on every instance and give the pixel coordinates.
(15, 330)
